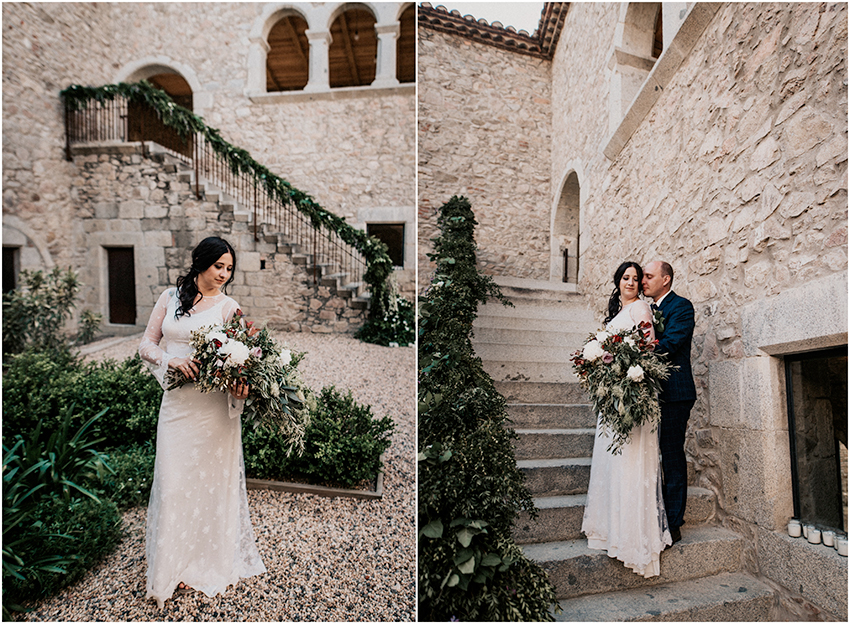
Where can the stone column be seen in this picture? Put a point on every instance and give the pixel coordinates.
(320, 41)
(385, 73)
(257, 57)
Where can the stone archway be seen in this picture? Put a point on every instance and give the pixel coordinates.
(566, 226)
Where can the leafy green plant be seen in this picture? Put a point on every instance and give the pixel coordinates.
(398, 325)
(470, 490)
(129, 483)
(343, 444)
(54, 525)
(34, 315)
(89, 325)
(38, 387)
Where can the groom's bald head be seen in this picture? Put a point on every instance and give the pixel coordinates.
(657, 279)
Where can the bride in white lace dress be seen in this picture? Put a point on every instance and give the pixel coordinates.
(199, 532)
(625, 513)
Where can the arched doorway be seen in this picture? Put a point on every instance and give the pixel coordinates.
(565, 229)
(144, 124)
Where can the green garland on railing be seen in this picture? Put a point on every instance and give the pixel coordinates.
(185, 122)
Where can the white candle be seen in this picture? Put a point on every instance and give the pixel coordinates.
(841, 546)
(828, 538)
(814, 535)
(795, 528)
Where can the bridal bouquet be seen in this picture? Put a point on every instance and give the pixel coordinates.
(622, 374)
(237, 352)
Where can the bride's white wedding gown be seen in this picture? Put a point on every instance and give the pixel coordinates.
(198, 527)
(625, 510)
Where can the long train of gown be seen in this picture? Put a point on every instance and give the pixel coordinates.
(625, 512)
(198, 525)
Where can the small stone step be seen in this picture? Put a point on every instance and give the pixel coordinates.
(556, 477)
(560, 516)
(555, 357)
(576, 570)
(550, 326)
(554, 443)
(540, 372)
(555, 416)
(530, 336)
(727, 597)
(572, 316)
(541, 392)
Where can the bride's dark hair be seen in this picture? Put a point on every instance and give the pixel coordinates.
(614, 303)
(203, 257)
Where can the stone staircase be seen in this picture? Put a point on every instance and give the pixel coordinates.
(327, 275)
(526, 350)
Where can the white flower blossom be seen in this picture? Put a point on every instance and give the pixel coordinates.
(630, 341)
(635, 373)
(216, 335)
(603, 335)
(592, 351)
(235, 352)
(285, 357)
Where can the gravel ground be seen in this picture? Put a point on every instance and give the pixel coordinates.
(328, 559)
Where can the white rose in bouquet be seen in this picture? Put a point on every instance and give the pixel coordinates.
(235, 352)
(603, 335)
(217, 335)
(593, 351)
(635, 373)
(285, 357)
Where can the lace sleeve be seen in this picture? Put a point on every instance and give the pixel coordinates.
(234, 406)
(155, 358)
(641, 312)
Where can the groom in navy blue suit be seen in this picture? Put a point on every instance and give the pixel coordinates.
(678, 393)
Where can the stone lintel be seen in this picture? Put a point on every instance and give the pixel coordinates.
(807, 318)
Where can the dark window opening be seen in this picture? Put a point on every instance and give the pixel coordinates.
(816, 388)
(392, 235)
(11, 267)
(353, 53)
(406, 46)
(288, 58)
(122, 285)
(658, 41)
(144, 123)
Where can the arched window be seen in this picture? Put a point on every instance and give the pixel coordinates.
(406, 46)
(288, 58)
(144, 124)
(353, 53)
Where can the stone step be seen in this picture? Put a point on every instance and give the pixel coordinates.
(725, 597)
(541, 392)
(571, 315)
(554, 443)
(530, 336)
(537, 372)
(554, 356)
(556, 477)
(552, 326)
(560, 516)
(555, 416)
(576, 570)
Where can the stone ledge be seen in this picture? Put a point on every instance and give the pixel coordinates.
(341, 93)
(814, 571)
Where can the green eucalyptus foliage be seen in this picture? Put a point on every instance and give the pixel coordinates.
(342, 445)
(185, 122)
(470, 490)
(34, 314)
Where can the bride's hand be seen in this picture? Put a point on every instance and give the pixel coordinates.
(239, 390)
(188, 367)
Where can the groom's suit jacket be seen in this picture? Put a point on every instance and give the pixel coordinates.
(675, 341)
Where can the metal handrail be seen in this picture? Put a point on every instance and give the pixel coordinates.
(120, 120)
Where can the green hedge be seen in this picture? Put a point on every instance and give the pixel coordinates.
(38, 386)
(343, 444)
(470, 490)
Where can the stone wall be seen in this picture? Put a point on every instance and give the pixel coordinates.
(129, 200)
(484, 132)
(354, 151)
